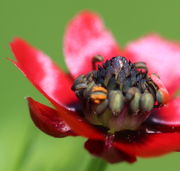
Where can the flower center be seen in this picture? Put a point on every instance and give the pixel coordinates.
(119, 95)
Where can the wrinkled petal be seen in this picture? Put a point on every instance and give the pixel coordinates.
(48, 120)
(161, 56)
(53, 83)
(43, 73)
(167, 116)
(85, 37)
(110, 154)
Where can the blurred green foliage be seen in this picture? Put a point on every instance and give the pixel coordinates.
(42, 23)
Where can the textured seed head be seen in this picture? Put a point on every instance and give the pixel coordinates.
(116, 101)
(160, 96)
(146, 102)
(134, 105)
(119, 94)
(131, 92)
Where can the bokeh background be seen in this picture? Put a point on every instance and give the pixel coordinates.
(42, 23)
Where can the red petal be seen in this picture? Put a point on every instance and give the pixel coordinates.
(48, 120)
(43, 73)
(53, 83)
(86, 36)
(168, 115)
(77, 124)
(162, 56)
(162, 134)
(150, 145)
(112, 154)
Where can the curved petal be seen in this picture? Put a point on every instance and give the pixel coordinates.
(158, 137)
(43, 73)
(167, 116)
(110, 154)
(161, 56)
(78, 124)
(51, 82)
(48, 120)
(85, 37)
(71, 118)
(149, 144)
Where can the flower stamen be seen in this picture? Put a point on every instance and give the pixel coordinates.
(119, 95)
(98, 94)
(95, 59)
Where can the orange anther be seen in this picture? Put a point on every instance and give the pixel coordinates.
(99, 93)
(97, 101)
(98, 96)
(99, 88)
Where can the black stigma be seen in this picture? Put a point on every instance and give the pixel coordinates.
(118, 87)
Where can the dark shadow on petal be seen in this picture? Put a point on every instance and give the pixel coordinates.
(110, 154)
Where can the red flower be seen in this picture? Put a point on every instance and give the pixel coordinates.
(86, 37)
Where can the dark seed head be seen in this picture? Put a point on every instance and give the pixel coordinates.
(118, 95)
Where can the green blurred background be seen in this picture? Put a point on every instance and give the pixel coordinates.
(42, 23)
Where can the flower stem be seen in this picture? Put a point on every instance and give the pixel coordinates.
(96, 164)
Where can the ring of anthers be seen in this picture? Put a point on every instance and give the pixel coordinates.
(119, 95)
